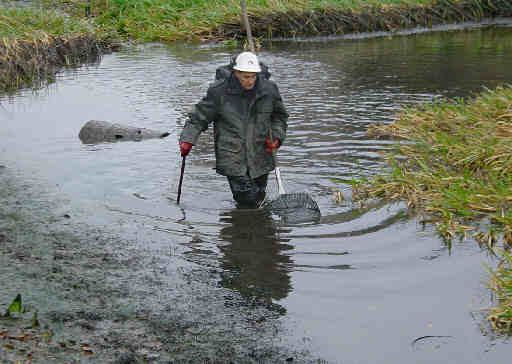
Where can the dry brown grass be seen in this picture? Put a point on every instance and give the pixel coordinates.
(457, 166)
(453, 167)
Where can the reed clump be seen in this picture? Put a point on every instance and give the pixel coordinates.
(35, 44)
(453, 167)
(500, 317)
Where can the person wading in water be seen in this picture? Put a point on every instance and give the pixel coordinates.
(249, 121)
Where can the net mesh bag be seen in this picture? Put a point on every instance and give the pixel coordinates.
(294, 207)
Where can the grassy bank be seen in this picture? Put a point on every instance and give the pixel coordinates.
(161, 20)
(324, 18)
(35, 43)
(454, 169)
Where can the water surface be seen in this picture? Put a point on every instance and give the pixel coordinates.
(359, 286)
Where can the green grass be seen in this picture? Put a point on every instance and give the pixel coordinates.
(170, 20)
(164, 20)
(35, 42)
(26, 24)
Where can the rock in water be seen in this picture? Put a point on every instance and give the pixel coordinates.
(97, 131)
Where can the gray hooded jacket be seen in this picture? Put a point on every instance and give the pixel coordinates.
(242, 120)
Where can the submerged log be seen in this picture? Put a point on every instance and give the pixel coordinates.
(97, 131)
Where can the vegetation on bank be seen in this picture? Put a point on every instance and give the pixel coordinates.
(346, 16)
(500, 316)
(454, 168)
(35, 43)
(161, 20)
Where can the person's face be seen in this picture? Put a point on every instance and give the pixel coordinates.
(247, 79)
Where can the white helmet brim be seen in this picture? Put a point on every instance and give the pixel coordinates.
(247, 62)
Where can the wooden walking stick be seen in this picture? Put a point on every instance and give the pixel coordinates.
(181, 179)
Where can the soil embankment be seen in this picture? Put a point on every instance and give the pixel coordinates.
(337, 21)
(34, 61)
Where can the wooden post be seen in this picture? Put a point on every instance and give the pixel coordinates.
(245, 19)
(88, 9)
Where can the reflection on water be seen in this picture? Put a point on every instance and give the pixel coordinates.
(362, 276)
(253, 254)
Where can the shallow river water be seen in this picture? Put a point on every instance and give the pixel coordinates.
(362, 285)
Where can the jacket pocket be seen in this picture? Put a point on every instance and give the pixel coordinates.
(229, 144)
(228, 156)
(264, 105)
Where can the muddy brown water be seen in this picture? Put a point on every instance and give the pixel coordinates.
(362, 285)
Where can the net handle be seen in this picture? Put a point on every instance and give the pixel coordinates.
(280, 187)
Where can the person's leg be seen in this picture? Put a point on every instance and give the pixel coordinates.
(261, 183)
(248, 193)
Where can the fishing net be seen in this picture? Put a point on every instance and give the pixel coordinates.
(294, 207)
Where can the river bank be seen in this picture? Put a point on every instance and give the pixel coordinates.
(220, 20)
(38, 41)
(337, 19)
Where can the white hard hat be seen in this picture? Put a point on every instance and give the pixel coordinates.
(247, 62)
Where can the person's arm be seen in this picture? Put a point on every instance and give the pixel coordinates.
(279, 118)
(204, 112)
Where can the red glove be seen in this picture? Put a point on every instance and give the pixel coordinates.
(274, 145)
(185, 148)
